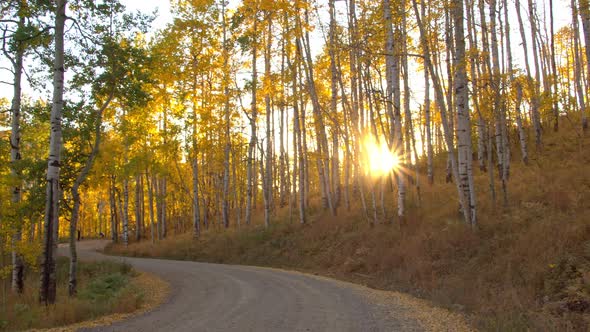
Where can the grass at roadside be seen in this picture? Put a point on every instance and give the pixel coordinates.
(104, 288)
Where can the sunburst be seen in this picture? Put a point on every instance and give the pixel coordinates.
(379, 160)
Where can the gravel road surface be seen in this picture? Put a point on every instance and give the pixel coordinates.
(215, 297)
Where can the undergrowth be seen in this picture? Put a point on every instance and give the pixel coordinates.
(103, 288)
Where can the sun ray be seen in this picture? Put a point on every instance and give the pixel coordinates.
(379, 160)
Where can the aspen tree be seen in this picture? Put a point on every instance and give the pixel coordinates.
(72, 280)
(578, 65)
(519, 124)
(335, 174)
(297, 132)
(319, 126)
(392, 102)
(465, 172)
(536, 84)
(501, 135)
(18, 268)
(47, 289)
(464, 200)
(268, 190)
(584, 12)
(250, 176)
(138, 208)
(555, 110)
(225, 55)
(113, 210)
(475, 88)
(150, 188)
(195, 171)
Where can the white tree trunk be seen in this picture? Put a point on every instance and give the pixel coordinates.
(335, 174)
(321, 138)
(464, 149)
(113, 210)
(265, 186)
(536, 100)
(163, 206)
(126, 211)
(268, 183)
(226, 82)
(578, 63)
(15, 157)
(299, 176)
(393, 100)
(250, 171)
(196, 209)
(138, 208)
(157, 187)
(47, 290)
(499, 108)
(585, 15)
(73, 280)
(427, 120)
(150, 187)
(464, 201)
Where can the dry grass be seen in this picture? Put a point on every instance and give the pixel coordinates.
(104, 288)
(527, 267)
(154, 291)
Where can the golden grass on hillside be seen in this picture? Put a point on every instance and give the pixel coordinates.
(526, 267)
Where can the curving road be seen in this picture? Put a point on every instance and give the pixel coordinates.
(214, 297)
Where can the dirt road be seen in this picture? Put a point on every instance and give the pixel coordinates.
(214, 297)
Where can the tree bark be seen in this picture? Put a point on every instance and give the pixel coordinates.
(554, 70)
(463, 200)
(18, 267)
(335, 175)
(521, 132)
(164, 183)
(464, 149)
(47, 289)
(126, 211)
(321, 138)
(157, 186)
(297, 137)
(578, 76)
(585, 15)
(250, 172)
(393, 101)
(138, 208)
(268, 183)
(113, 210)
(536, 84)
(226, 82)
(150, 188)
(196, 209)
(499, 107)
(427, 120)
(73, 280)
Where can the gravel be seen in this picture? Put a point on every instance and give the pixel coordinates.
(215, 297)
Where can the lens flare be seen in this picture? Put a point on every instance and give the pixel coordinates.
(379, 160)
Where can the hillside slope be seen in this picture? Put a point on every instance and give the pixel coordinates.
(526, 267)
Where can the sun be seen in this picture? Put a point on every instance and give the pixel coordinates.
(379, 160)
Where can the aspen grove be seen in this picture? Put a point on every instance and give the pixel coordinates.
(252, 113)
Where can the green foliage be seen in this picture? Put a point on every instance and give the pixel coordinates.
(106, 267)
(104, 288)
